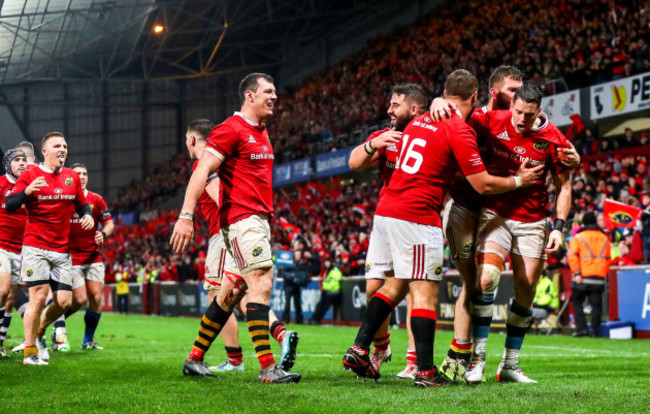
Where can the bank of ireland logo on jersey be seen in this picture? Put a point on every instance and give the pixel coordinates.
(520, 150)
(58, 190)
(69, 181)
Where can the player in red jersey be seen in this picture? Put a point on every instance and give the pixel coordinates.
(87, 266)
(408, 222)
(407, 101)
(239, 148)
(11, 239)
(220, 262)
(462, 221)
(516, 224)
(50, 193)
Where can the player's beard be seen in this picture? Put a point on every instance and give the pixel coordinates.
(501, 102)
(401, 123)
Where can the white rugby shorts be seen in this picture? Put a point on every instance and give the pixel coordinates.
(217, 260)
(249, 242)
(40, 266)
(91, 271)
(518, 237)
(10, 263)
(413, 251)
(460, 229)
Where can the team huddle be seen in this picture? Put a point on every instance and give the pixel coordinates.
(50, 238)
(492, 162)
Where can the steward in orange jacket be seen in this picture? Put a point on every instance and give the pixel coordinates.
(589, 259)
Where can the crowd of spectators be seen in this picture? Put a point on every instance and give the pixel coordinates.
(559, 45)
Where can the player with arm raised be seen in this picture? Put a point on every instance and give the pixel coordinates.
(239, 148)
(11, 240)
(50, 193)
(407, 102)
(408, 222)
(515, 224)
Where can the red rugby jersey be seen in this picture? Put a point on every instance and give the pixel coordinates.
(49, 210)
(12, 224)
(506, 152)
(83, 248)
(247, 170)
(387, 158)
(430, 155)
(462, 192)
(208, 207)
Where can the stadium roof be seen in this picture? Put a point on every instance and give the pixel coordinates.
(109, 39)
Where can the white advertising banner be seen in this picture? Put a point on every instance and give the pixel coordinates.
(620, 96)
(560, 107)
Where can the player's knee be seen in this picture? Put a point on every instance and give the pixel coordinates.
(489, 266)
(64, 301)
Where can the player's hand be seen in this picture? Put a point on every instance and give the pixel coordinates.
(569, 156)
(35, 185)
(529, 176)
(182, 235)
(386, 139)
(554, 241)
(99, 238)
(87, 222)
(441, 109)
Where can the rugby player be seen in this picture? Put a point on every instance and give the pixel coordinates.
(87, 266)
(218, 262)
(11, 240)
(407, 222)
(407, 101)
(515, 224)
(239, 148)
(50, 193)
(462, 221)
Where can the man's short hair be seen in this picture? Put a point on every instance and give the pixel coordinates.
(25, 144)
(202, 126)
(78, 165)
(461, 83)
(413, 93)
(249, 83)
(49, 135)
(529, 94)
(505, 71)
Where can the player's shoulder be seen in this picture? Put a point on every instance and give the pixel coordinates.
(499, 115)
(94, 196)
(377, 133)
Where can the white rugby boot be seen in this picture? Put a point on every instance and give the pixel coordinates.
(512, 373)
(474, 374)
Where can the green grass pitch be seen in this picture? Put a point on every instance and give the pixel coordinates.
(140, 371)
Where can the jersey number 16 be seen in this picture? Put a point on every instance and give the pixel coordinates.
(411, 153)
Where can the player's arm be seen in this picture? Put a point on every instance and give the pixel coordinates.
(83, 209)
(212, 187)
(184, 227)
(486, 184)
(21, 191)
(562, 184)
(366, 154)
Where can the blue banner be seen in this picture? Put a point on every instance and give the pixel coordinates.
(309, 297)
(301, 170)
(634, 297)
(284, 258)
(333, 163)
(281, 175)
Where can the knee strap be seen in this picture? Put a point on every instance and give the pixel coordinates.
(490, 263)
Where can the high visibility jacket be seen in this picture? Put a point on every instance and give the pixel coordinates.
(546, 294)
(589, 255)
(332, 282)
